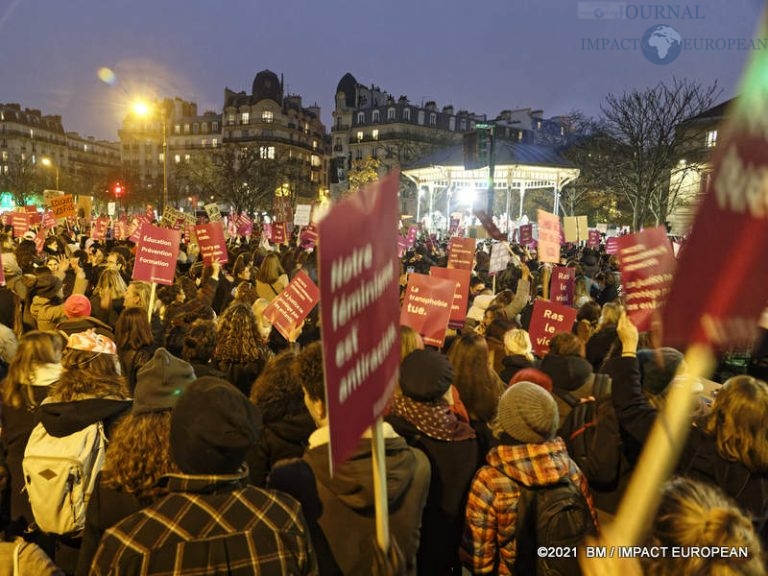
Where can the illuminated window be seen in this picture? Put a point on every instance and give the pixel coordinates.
(214, 142)
(360, 136)
(186, 128)
(375, 134)
(245, 118)
(177, 158)
(711, 138)
(315, 160)
(5, 155)
(177, 128)
(186, 158)
(314, 144)
(267, 152)
(267, 116)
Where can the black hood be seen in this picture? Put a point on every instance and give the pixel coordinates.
(567, 372)
(65, 418)
(516, 361)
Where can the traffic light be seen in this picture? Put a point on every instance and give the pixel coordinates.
(118, 189)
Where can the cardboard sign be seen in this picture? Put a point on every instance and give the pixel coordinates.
(289, 308)
(562, 285)
(84, 207)
(499, 258)
(156, 253)
(278, 233)
(360, 306)
(547, 319)
(303, 214)
(214, 214)
(549, 237)
(461, 253)
(48, 194)
(594, 239)
(20, 223)
(63, 206)
(460, 297)
(612, 245)
(427, 307)
(490, 226)
(526, 234)
(213, 245)
(570, 229)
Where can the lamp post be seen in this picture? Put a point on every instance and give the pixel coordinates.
(48, 164)
(142, 109)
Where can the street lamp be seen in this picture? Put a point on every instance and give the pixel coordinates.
(142, 109)
(48, 164)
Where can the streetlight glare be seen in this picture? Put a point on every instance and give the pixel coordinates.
(46, 161)
(140, 108)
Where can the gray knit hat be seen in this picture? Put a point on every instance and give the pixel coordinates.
(160, 382)
(528, 413)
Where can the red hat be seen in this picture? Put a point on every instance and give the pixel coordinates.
(77, 306)
(532, 375)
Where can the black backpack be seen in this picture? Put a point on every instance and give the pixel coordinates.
(556, 519)
(592, 436)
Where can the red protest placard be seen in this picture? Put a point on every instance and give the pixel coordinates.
(549, 237)
(20, 223)
(526, 234)
(289, 308)
(594, 239)
(562, 285)
(547, 319)
(611, 245)
(359, 306)
(490, 226)
(156, 254)
(278, 233)
(99, 228)
(461, 253)
(63, 206)
(213, 245)
(134, 231)
(460, 297)
(244, 225)
(647, 264)
(49, 221)
(308, 237)
(427, 307)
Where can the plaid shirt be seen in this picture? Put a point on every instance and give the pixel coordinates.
(491, 513)
(210, 525)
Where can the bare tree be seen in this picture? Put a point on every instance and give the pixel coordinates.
(22, 178)
(646, 142)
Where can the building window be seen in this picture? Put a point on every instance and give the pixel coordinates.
(519, 135)
(462, 125)
(315, 160)
(267, 152)
(361, 117)
(177, 128)
(421, 118)
(432, 119)
(267, 116)
(230, 118)
(375, 134)
(204, 127)
(407, 114)
(375, 117)
(358, 154)
(562, 130)
(204, 142)
(177, 158)
(711, 138)
(390, 114)
(360, 136)
(214, 142)
(5, 155)
(186, 128)
(375, 153)
(314, 144)
(245, 118)
(306, 127)
(186, 158)
(214, 126)
(195, 128)
(452, 124)
(538, 124)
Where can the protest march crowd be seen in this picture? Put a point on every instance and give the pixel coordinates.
(174, 429)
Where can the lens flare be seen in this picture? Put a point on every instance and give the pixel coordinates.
(107, 76)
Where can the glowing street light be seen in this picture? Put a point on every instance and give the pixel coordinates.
(48, 164)
(142, 109)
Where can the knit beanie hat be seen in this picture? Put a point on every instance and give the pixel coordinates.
(528, 413)
(77, 306)
(532, 375)
(212, 427)
(47, 286)
(160, 382)
(658, 367)
(425, 375)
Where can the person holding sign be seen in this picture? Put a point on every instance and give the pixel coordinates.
(339, 508)
(271, 278)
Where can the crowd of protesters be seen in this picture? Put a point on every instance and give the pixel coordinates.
(218, 430)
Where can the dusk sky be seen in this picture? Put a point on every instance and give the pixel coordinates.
(483, 55)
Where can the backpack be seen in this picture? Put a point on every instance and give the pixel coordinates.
(557, 517)
(592, 436)
(60, 476)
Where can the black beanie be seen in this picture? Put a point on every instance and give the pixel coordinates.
(425, 375)
(212, 427)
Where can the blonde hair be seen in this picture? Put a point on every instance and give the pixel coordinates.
(110, 284)
(143, 292)
(693, 514)
(410, 340)
(739, 420)
(517, 341)
(35, 349)
(609, 315)
(264, 326)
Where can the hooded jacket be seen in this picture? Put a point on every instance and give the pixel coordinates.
(491, 515)
(47, 314)
(340, 510)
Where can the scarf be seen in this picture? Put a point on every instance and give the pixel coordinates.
(437, 420)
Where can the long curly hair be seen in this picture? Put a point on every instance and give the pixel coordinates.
(277, 390)
(478, 385)
(140, 454)
(35, 349)
(89, 375)
(739, 420)
(238, 335)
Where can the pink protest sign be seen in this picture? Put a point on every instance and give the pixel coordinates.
(360, 307)
(526, 234)
(547, 319)
(34, 215)
(134, 231)
(266, 231)
(48, 220)
(20, 223)
(594, 239)
(647, 264)
(460, 297)
(213, 245)
(244, 225)
(549, 237)
(490, 226)
(427, 307)
(308, 237)
(99, 228)
(461, 253)
(289, 308)
(278, 233)
(156, 254)
(562, 285)
(612, 245)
